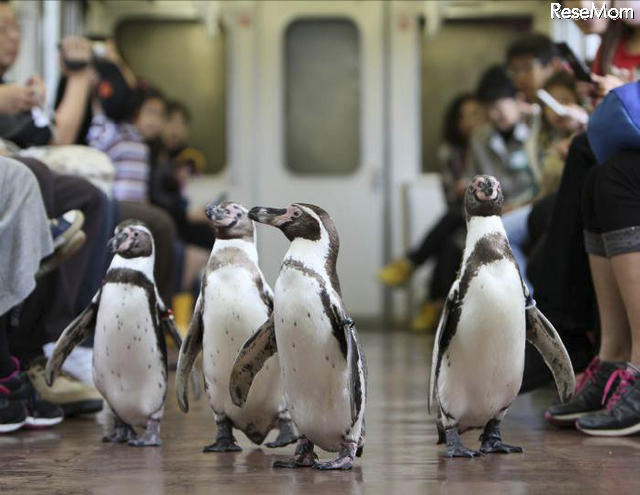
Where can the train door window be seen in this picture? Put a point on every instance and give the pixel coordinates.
(187, 64)
(322, 97)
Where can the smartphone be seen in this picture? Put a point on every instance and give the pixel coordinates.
(557, 107)
(580, 69)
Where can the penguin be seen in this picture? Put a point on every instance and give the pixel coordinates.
(322, 364)
(128, 318)
(479, 348)
(235, 300)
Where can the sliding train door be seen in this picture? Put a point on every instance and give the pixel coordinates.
(320, 136)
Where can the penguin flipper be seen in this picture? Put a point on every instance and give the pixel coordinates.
(168, 326)
(357, 369)
(442, 325)
(255, 351)
(189, 350)
(76, 332)
(545, 339)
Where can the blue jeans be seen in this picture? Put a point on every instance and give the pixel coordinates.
(515, 223)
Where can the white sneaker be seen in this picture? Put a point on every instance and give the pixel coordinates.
(79, 363)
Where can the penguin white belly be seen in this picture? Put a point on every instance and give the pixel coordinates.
(128, 367)
(481, 371)
(233, 311)
(314, 370)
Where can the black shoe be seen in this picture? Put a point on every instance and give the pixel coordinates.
(40, 413)
(589, 397)
(13, 415)
(622, 415)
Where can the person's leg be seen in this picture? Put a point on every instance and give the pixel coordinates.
(430, 245)
(56, 300)
(164, 233)
(615, 328)
(561, 279)
(400, 270)
(540, 217)
(516, 226)
(626, 272)
(617, 203)
(615, 340)
(6, 364)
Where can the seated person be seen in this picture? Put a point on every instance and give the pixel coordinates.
(531, 61)
(555, 138)
(611, 216)
(125, 143)
(56, 299)
(173, 162)
(463, 115)
(26, 240)
(505, 146)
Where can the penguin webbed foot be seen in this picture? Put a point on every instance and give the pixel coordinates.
(286, 435)
(122, 433)
(344, 461)
(304, 456)
(225, 444)
(455, 447)
(494, 446)
(225, 441)
(491, 440)
(151, 437)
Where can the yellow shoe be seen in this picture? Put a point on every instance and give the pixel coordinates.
(396, 273)
(427, 319)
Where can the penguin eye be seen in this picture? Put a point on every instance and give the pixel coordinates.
(297, 213)
(135, 234)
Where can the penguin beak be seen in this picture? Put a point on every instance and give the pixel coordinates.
(214, 212)
(268, 216)
(117, 240)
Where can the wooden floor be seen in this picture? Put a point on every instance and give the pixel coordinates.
(401, 456)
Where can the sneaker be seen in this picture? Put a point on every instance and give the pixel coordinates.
(396, 273)
(73, 396)
(622, 414)
(65, 226)
(427, 319)
(79, 362)
(13, 415)
(590, 394)
(18, 389)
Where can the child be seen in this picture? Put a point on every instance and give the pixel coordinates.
(505, 147)
(463, 115)
(530, 61)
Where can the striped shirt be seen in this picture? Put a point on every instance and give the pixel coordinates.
(129, 154)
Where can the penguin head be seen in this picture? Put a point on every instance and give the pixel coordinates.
(483, 197)
(132, 239)
(298, 221)
(230, 220)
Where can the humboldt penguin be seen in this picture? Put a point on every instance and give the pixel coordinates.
(128, 319)
(234, 302)
(323, 366)
(479, 348)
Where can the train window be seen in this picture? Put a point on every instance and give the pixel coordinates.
(322, 97)
(188, 65)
